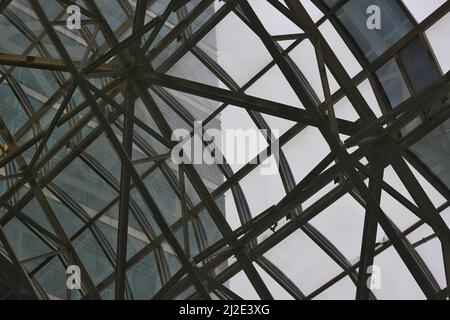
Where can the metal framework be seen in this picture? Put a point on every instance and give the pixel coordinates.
(122, 65)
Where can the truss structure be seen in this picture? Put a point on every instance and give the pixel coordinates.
(119, 61)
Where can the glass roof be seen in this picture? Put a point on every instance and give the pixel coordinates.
(343, 193)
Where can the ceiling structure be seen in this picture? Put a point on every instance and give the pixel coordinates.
(128, 59)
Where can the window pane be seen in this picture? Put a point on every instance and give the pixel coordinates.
(434, 151)
(393, 83)
(394, 25)
(418, 65)
(331, 3)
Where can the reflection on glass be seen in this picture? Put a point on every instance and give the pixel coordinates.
(330, 3)
(394, 25)
(418, 65)
(434, 151)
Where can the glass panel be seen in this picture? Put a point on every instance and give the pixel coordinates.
(12, 40)
(92, 256)
(342, 223)
(164, 196)
(434, 151)
(395, 278)
(422, 9)
(84, 186)
(418, 65)
(241, 56)
(393, 83)
(24, 242)
(12, 112)
(331, 3)
(52, 279)
(81, 187)
(430, 253)
(298, 257)
(437, 36)
(143, 279)
(340, 48)
(394, 25)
